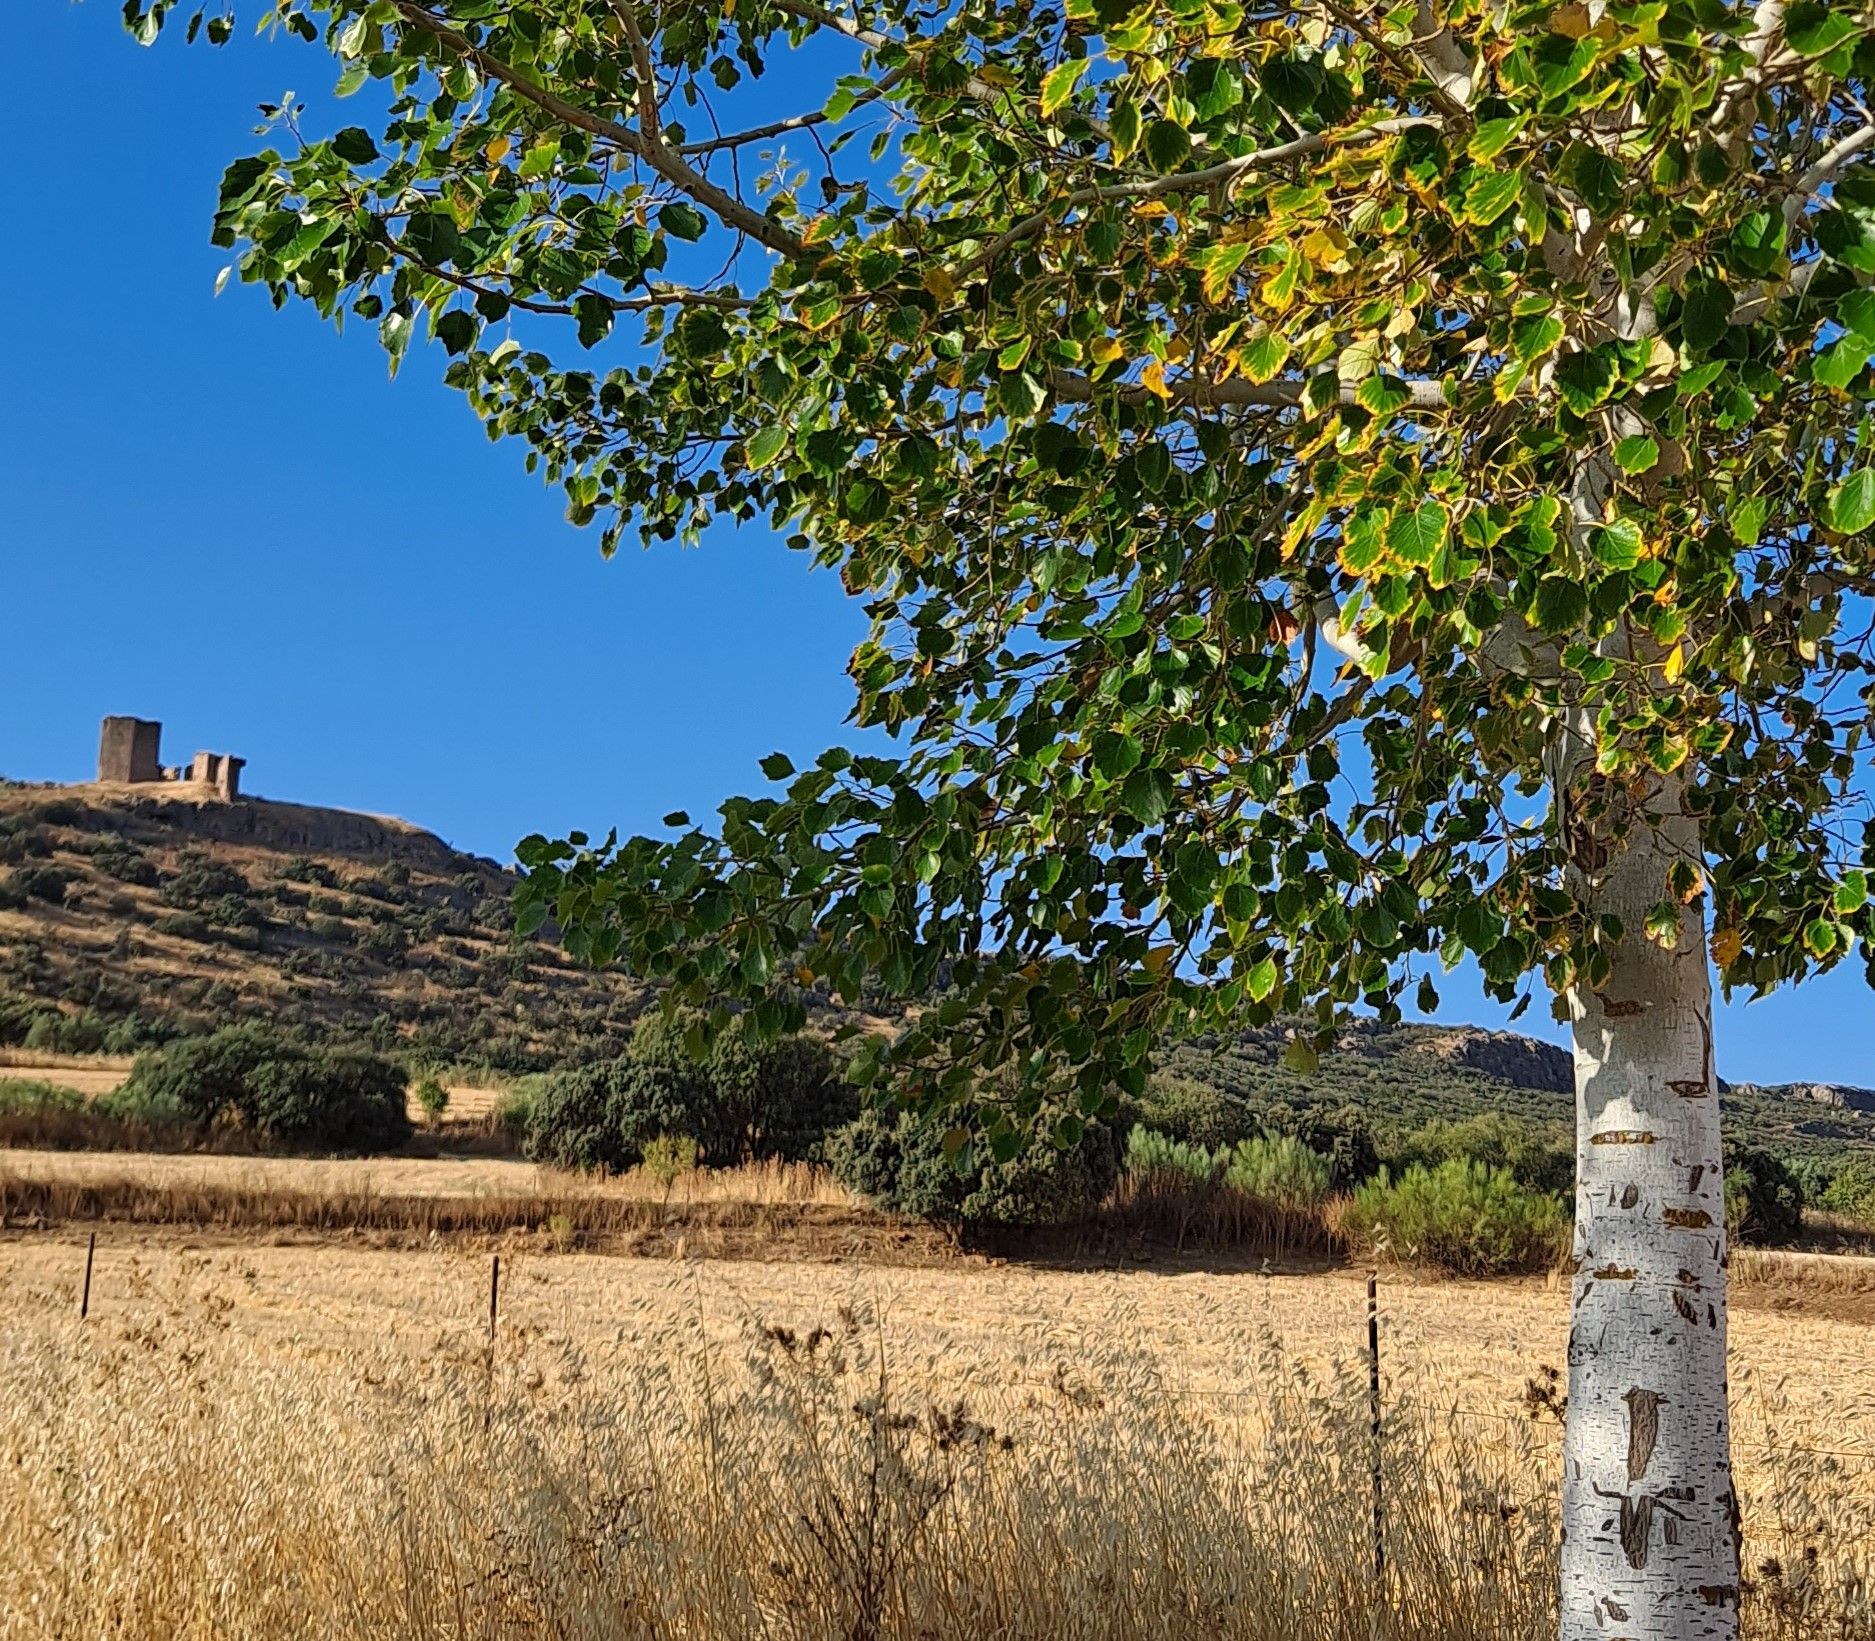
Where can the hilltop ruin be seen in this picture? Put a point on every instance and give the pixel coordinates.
(130, 754)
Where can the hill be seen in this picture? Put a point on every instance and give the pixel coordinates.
(132, 914)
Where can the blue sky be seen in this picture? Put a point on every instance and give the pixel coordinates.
(231, 519)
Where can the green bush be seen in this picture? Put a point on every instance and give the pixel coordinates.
(1466, 1217)
(1279, 1170)
(1338, 1132)
(118, 859)
(1850, 1190)
(669, 1157)
(199, 882)
(737, 1104)
(284, 1093)
(433, 1098)
(1763, 1200)
(1150, 1152)
(24, 883)
(1186, 1112)
(897, 1161)
(1543, 1158)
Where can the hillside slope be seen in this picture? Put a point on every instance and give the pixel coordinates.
(129, 914)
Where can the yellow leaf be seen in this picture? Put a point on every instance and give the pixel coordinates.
(1727, 947)
(497, 150)
(1570, 21)
(1152, 379)
(939, 284)
(1155, 960)
(1103, 350)
(1675, 663)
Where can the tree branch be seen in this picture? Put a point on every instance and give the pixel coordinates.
(648, 146)
(1073, 388)
(1222, 175)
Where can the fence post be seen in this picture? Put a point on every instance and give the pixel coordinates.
(494, 1295)
(1373, 1411)
(84, 1299)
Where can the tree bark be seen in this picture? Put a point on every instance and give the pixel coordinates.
(1650, 1536)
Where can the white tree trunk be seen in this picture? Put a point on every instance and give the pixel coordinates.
(1650, 1542)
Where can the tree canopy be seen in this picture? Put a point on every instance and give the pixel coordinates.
(1314, 472)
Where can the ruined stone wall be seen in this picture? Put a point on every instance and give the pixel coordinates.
(129, 749)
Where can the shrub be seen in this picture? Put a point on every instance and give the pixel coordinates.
(898, 1161)
(200, 881)
(669, 1157)
(1266, 1190)
(514, 1108)
(1763, 1201)
(1151, 1152)
(1539, 1157)
(1851, 1189)
(433, 1098)
(780, 1100)
(1185, 1112)
(1280, 1171)
(118, 859)
(1467, 1217)
(24, 883)
(284, 1093)
(1339, 1133)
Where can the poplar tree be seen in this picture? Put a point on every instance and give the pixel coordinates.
(1336, 489)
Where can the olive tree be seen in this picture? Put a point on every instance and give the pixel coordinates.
(1336, 489)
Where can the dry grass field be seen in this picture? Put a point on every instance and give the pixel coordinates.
(297, 1436)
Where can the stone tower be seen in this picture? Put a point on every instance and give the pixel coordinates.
(129, 750)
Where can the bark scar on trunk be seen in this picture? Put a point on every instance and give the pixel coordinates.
(1621, 1008)
(1687, 1219)
(1690, 1088)
(1622, 1136)
(1643, 1429)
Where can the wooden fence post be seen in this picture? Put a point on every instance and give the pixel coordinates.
(1373, 1412)
(84, 1299)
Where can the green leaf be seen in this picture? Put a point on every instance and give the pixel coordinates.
(1637, 454)
(1491, 195)
(1168, 145)
(1812, 28)
(1851, 893)
(766, 445)
(1855, 312)
(1147, 795)
(1851, 505)
(354, 145)
(1706, 312)
(1492, 137)
(1819, 937)
(1561, 603)
(1058, 87)
(1618, 545)
(777, 766)
(1584, 380)
(682, 221)
(1116, 755)
(1840, 363)
(1662, 924)
(1534, 335)
(1021, 394)
(1417, 536)
(1300, 1057)
(1384, 395)
(1264, 356)
(1260, 979)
